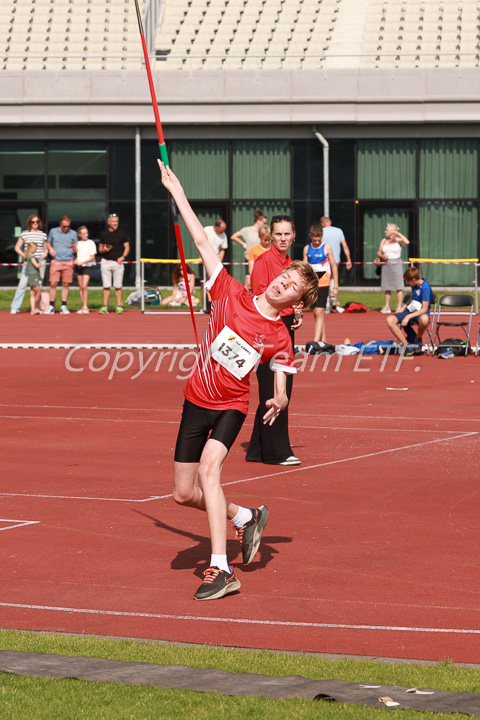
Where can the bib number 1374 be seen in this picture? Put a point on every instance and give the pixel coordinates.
(233, 353)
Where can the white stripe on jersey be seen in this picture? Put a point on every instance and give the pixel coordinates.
(36, 236)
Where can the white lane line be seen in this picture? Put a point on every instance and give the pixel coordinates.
(72, 497)
(55, 418)
(17, 523)
(349, 459)
(291, 414)
(260, 477)
(89, 408)
(386, 417)
(96, 346)
(61, 418)
(243, 621)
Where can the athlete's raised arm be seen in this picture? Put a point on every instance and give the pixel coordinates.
(194, 226)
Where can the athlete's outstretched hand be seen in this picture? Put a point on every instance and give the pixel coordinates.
(169, 180)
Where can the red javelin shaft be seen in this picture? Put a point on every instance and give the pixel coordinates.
(164, 157)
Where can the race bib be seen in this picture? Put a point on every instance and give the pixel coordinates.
(414, 305)
(233, 353)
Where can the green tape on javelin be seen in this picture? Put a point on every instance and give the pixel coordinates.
(164, 154)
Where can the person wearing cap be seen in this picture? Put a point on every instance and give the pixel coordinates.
(114, 248)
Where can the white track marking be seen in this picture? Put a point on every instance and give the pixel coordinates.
(72, 497)
(96, 346)
(267, 475)
(349, 459)
(58, 418)
(387, 417)
(54, 418)
(18, 523)
(89, 408)
(291, 414)
(244, 621)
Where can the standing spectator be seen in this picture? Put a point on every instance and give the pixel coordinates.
(269, 445)
(62, 246)
(33, 274)
(248, 236)
(85, 262)
(217, 237)
(115, 247)
(34, 233)
(321, 258)
(334, 237)
(257, 250)
(390, 253)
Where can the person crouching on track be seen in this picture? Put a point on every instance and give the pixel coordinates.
(243, 330)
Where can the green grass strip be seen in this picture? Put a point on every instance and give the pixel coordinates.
(22, 697)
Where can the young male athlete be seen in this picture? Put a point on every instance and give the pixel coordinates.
(243, 330)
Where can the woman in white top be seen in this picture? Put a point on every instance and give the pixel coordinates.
(84, 263)
(390, 253)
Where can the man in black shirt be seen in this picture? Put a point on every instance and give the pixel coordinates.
(114, 248)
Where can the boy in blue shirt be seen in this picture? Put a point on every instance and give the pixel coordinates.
(417, 312)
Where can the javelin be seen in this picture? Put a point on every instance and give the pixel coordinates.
(164, 158)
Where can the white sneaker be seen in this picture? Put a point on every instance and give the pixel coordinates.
(49, 311)
(385, 310)
(85, 310)
(14, 312)
(64, 310)
(292, 460)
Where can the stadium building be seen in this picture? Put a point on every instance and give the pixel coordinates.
(363, 110)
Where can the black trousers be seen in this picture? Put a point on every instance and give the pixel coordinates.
(270, 444)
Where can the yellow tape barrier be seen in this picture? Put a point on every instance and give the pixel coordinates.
(152, 260)
(433, 260)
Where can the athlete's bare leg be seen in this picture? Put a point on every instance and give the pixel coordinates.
(198, 485)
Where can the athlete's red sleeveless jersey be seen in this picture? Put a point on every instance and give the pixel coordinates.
(238, 337)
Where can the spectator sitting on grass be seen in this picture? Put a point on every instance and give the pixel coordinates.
(179, 294)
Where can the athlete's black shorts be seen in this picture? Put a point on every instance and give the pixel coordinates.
(199, 424)
(321, 301)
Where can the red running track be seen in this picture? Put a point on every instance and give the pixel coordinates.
(373, 543)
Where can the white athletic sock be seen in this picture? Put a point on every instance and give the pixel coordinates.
(243, 516)
(219, 561)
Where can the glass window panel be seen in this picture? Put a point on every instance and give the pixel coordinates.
(22, 170)
(307, 169)
(305, 214)
(202, 166)
(155, 241)
(77, 170)
(91, 214)
(448, 230)
(152, 188)
(448, 168)
(261, 169)
(121, 155)
(342, 169)
(386, 169)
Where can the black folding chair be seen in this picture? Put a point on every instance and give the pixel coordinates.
(455, 301)
(431, 325)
